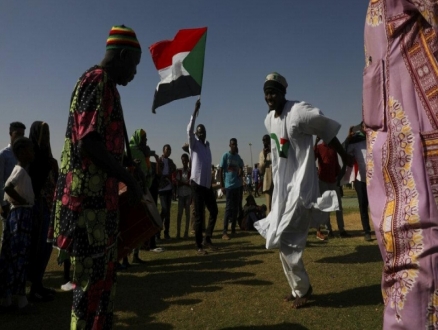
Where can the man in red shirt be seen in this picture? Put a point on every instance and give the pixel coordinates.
(328, 171)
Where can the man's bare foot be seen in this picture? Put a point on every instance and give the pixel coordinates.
(289, 297)
(301, 301)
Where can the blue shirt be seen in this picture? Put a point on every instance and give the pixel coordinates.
(7, 164)
(230, 165)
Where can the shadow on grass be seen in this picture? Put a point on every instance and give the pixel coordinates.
(170, 281)
(149, 289)
(283, 326)
(363, 254)
(156, 292)
(361, 296)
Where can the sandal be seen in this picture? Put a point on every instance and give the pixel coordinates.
(301, 301)
(202, 252)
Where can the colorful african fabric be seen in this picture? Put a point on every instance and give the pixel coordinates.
(400, 110)
(122, 37)
(93, 305)
(180, 64)
(85, 212)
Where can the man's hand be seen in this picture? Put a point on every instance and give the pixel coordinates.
(197, 107)
(266, 151)
(185, 147)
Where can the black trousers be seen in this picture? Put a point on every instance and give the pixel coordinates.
(166, 203)
(203, 197)
(362, 197)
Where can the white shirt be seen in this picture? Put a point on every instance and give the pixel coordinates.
(183, 177)
(200, 157)
(22, 183)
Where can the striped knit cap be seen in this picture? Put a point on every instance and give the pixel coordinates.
(122, 36)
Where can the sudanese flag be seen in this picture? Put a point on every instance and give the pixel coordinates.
(180, 64)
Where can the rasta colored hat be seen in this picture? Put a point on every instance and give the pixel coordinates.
(122, 36)
(275, 81)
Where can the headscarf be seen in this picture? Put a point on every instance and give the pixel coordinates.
(137, 152)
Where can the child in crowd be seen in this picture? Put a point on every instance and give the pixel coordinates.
(182, 179)
(14, 255)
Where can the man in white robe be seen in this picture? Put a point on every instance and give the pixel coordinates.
(291, 126)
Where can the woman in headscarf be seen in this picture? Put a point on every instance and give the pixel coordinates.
(140, 153)
(44, 173)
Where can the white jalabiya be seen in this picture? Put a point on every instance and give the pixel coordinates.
(295, 185)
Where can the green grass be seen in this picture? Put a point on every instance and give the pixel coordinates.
(239, 287)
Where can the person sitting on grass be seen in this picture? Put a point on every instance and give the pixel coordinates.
(252, 213)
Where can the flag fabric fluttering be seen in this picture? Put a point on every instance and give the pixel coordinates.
(180, 64)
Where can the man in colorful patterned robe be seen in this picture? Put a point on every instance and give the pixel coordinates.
(85, 214)
(400, 112)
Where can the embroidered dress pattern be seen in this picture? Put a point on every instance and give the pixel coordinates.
(419, 48)
(375, 13)
(403, 239)
(404, 185)
(430, 152)
(432, 311)
(371, 139)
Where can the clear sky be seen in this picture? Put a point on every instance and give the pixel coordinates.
(317, 45)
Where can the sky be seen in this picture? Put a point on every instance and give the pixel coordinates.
(317, 45)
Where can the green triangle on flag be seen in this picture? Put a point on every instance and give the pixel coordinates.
(194, 61)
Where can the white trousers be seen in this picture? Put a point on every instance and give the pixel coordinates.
(325, 186)
(292, 243)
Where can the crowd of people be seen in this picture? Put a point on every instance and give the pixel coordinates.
(391, 160)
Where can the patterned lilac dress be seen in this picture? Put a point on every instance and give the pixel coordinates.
(400, 110)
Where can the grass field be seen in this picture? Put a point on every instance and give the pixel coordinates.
(240, 286)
